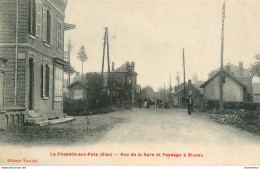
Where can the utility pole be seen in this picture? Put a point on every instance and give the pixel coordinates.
(106, 44)
(178, 79)
(109, 76)
(104, 52)
(184, 89)
(170, 91)
(164, 95)
(221, 58)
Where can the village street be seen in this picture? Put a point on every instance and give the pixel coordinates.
(175, 126)
(144, 131)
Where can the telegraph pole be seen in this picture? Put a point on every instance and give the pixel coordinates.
(104, 52)
(106, 45)
(108, 63)
(184, 89)
(170, 91)
(164, 95)
(221, 58)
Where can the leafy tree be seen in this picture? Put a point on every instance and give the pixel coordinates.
(147, 91)
(255, 67)
(68, 69)
(82, 56)
(94, 86)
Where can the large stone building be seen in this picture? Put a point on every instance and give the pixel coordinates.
(123, 85)
(32, 47)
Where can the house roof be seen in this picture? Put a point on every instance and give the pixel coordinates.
(256, 88)
(122, 68)
(227, 74)
(234, 69)
(77, 82)
(198, 84)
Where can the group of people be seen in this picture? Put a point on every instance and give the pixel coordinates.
(147, 102)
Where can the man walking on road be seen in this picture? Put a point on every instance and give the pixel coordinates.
(189, 103)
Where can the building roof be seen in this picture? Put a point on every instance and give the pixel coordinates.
(198, 84)
(122, 68)
(195, 85)
(256, 88)
(227, 74)
(83, 84)
(234, 69)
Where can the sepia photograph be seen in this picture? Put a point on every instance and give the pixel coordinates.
(130, 83)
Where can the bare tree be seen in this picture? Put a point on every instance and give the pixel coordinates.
(194, 78)
(69, 69)
(82, 56)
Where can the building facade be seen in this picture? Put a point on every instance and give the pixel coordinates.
(233, 89)
(123, 86)
(192, 90)
(32, 41)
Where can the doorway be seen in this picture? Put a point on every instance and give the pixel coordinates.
(31, 84)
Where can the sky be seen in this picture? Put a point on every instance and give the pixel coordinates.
(153, 34)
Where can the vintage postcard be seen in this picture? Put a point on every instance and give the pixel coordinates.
(129, 83)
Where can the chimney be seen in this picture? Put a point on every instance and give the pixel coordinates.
(113, 66)
(240, 68)
(189, 82)
(228, 68)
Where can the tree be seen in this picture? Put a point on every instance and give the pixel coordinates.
(194, 78)
(82, 56)
(147, 91)
(94, 86)
(69, 69)
(255, 67)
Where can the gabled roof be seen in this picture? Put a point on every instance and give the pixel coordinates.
(83, 84)
(227, 74)
(256, 88)
(233, 69)
(198, 84)
(122, 68)
(181, 87)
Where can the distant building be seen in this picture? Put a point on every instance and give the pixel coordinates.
(77, 90)
(123, 83)
(190, 90)
(233, 89)
(256, 92)
(238, 72)
(31, 41)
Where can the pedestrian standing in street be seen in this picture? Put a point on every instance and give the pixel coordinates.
(189, 103)
(145, 102)
(148, 102)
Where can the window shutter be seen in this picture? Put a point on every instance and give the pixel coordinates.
(51, 81)
(43, 79)
(30, 16)
(44, 23)
(38, 17)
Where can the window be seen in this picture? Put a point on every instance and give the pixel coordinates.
(58, 84)
(78, 94)
(224, 79)
(46, 80)
(59, 26)
(1, 89)
(47, 25)
(35, 18)
(32, 17)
